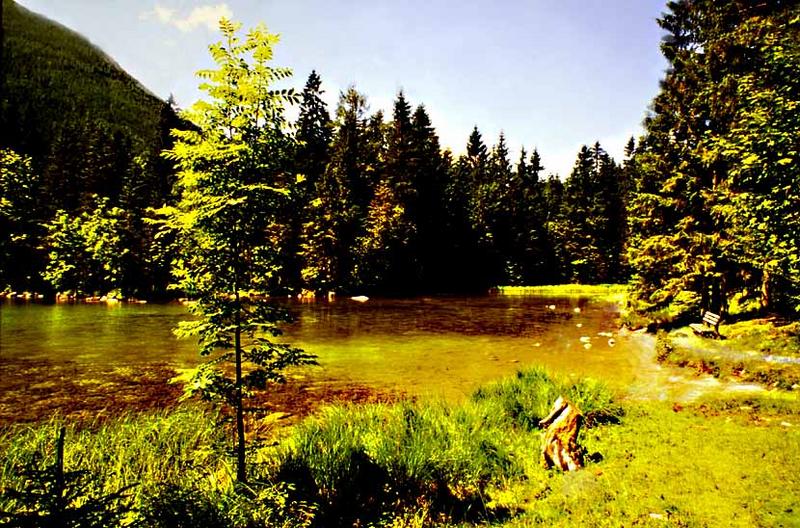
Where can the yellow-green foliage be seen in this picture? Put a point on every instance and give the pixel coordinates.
(177, 446)
(755, 351)
(609, 292)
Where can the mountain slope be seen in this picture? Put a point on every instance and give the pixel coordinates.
(54, 77)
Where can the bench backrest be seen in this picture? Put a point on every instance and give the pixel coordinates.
(711, 319)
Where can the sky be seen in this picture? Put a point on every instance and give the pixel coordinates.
(550, 74)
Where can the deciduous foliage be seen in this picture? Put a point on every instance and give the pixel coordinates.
(20, 214)
(233, 181)
(87, 253)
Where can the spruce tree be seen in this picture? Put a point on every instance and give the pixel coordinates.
(310, 158)
(341, 200)
(712, 212)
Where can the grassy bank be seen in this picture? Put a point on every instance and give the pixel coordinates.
(609, 292)
(348, 465)
(764, 351)
(717, 463)
(723, 462)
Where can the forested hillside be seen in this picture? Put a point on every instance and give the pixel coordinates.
(90, 132)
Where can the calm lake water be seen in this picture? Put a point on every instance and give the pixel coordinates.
(438, 347)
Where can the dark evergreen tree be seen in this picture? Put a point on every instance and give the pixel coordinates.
(586, 233)
(428, 213)
(712, 214)
(387, 251)
(341, 200)
(311, 156)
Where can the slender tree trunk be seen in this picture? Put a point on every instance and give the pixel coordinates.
(241, 473)
(60, 484)
(766, 292)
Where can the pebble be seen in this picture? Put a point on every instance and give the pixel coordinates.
(579, 325)
(577, 310)
(611, 342)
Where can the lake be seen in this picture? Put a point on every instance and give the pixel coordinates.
(59, 356)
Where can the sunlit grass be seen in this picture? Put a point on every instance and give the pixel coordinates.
(711, 464)
(721, 462)
(182, 445)
(451, 459)
(608, 292)
(751, 351)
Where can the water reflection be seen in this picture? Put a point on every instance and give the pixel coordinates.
(427, 346)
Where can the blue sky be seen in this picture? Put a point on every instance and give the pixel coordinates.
(554, 74)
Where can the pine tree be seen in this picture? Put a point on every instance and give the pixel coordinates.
(588, 235)
(313, 131)
(475, 175)
(311, 157)
(429, 214)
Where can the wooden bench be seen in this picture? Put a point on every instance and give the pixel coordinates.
(709, 327)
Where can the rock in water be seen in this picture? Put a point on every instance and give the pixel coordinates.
(560, 447)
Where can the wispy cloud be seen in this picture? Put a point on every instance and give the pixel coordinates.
(200, 16)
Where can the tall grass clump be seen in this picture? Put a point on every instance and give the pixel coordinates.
(173, 466)
(527, 398)
(137, 453)
(174, 446)
(358, 464)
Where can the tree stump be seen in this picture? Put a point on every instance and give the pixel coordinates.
(560, 447)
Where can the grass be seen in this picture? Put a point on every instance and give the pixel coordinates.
(709, 464)
(526, 398)
(608, 292)
(722, 462)
(765, 336)
(181, 445)
(348, 465)
(755, 350)
(359, 464)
